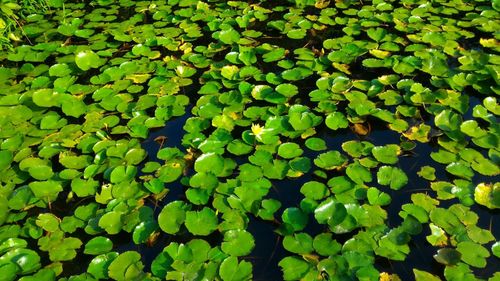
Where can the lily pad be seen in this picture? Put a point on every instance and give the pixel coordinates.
(289, 150)
(473, 254)
(201, 222)
(98, 245)
(330, 160)
(387, 154)
(172, 216)
(232, 270)
(394, 177)
(86, 60)
(238, 242)
(126, 266)
(293, 268)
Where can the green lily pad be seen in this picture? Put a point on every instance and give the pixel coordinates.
(387, 154)
(394, 177)
(427, 173)
(48, 222)
(171, 171)
(126, 266)
(289, 150)
(330, 212)
(473, 254)
(98, 245)
(86, 60)
(293, 268)
(112, 222)
(358, 173)
(330, 160)
(26, 260)
(336, 120)
(144, 230)
(314, 190)
(295, 217)
(209, 163)
(99, 265)
(59, 70)
(231, 270)
(376, 197)
(460, 169)
(325, 245)
(298, 243)
(447, 120)
(6, 158)
(172, 216)
(123, 173)
(238, 242)
(201, 222)
(315, 144)
(45, 98)
(46, 190)
(495, 249)
(229, 36)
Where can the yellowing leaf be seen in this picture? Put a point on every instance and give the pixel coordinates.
(384, 276)
(138, 78)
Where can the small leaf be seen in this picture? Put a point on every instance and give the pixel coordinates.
(238, 242)
(86, 60)
(127, 266)
(98, 245)
(387, 154)
(201, 222)
(394, 177)
(231, 270)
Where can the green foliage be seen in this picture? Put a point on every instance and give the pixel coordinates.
(180, 128)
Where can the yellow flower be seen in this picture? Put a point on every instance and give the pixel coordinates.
(257, 129)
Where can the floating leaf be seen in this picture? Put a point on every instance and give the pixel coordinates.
(387, 154)
(424, 276)
(231, 270)
(293, 268)
(336, 120)
(209, 162)
(488, 195)
(238, 242)
(427, 173)
(330, 160)
(98, 245)
(447, 256)
(394, 177)
(314, 190)
(315, 144)
(201, 222)
(86, 60)
(298, 243)
(295, 217)
(289, 150)
(172, 216)
(126, 266)
(473, 254)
